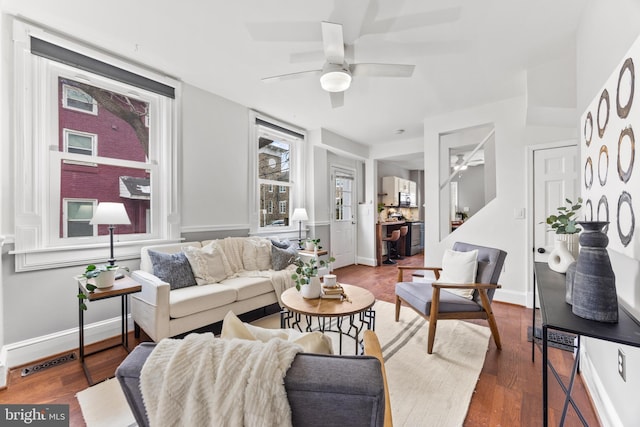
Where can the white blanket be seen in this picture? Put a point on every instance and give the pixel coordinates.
(206, 381)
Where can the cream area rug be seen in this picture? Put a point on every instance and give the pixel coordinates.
(425, 390)
(104, 405)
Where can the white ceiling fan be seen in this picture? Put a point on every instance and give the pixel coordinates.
(336, 74)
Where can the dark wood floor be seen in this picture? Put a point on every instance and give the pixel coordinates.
(509, 391)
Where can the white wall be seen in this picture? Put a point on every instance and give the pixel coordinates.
(495, 224)
(607, 30)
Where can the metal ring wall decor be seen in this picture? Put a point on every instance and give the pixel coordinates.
(625, 238)
(603, 179)
(623, 111)
(588, 206)
(588, 173)
(603, 202)
(601, 127)
(625, 175)
(588, 129)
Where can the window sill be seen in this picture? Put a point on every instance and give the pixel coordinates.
(55, 257)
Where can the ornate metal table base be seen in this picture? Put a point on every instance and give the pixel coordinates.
(344, 325)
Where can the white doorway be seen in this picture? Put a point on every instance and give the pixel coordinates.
(555, 179)
(343, 217)
(553, 176)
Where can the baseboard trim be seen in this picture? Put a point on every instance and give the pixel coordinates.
(28, 351)
(371, 262)
(598, 395)
(511, 297)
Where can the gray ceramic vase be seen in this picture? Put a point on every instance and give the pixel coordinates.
(571, 275)
(594, 294)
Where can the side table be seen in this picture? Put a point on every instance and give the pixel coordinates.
(122, 288)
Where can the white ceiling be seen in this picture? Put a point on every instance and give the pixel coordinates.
(466, 52)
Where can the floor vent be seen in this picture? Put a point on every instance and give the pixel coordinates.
(557, 339)
(48, 364)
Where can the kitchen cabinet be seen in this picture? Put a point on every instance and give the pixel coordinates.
(392, 186)
(413, 193)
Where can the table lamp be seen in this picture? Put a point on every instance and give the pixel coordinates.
(110, 213)
(300, 214)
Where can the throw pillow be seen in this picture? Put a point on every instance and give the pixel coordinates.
(311, 342)
(173, 269)
(459, 268)
(209, 263)
(282, 244)
(256, 254)
(281, 258)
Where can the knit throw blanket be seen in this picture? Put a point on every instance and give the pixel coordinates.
(205, 381)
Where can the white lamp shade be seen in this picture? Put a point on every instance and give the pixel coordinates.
(110, 213)
(300, 214)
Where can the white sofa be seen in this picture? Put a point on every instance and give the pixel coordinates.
(164, 312)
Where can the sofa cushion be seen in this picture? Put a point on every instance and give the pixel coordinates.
(173, 269)
(283, 257)
(194, 299)
(256, 254)
(459, 268)
(311, 342)
(209, 264)
(249, 287)
(282, 244)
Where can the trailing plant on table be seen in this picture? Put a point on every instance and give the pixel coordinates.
(91, 272)
(306, 270)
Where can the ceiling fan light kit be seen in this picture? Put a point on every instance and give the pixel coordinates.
(335, 78)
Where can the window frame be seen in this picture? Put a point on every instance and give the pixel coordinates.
(65, 91)
(38, 210)
(65, 213)
(65, 138)
(296, 182)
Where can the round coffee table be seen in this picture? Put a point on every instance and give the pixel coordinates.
(330, 313)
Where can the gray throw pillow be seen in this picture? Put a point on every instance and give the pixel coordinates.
(173, 269)
(281, 258)
(282, 244)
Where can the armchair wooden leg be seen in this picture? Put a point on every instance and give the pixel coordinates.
(398, 305)
(490, 318)
(433, 318)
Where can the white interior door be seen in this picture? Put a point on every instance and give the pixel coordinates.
(556, 178)
(343, 217)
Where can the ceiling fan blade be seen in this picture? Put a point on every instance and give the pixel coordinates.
(337, 99)
(382, 70)
(333, 42)
(291, 76)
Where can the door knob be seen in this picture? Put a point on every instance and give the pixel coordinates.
(541, 250)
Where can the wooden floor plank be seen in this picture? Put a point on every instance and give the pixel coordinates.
(509, 390)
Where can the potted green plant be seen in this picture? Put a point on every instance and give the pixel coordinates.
(104, 277)
(565, 222)
(312, 244)
(306, 276)
(565, 226)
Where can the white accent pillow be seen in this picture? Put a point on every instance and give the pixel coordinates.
(459, 268)
(311, 342)
(256, 254)
(209, 263)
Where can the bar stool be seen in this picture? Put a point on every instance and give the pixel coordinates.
(402, 242)
(394, 237)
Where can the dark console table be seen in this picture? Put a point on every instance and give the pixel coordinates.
(556, 314)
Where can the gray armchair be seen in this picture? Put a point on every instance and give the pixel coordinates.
(427, 299)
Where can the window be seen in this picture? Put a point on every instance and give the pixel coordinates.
(74, 98)
(79, 142)
(277, 151)
(78, 214)
(113, 125)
